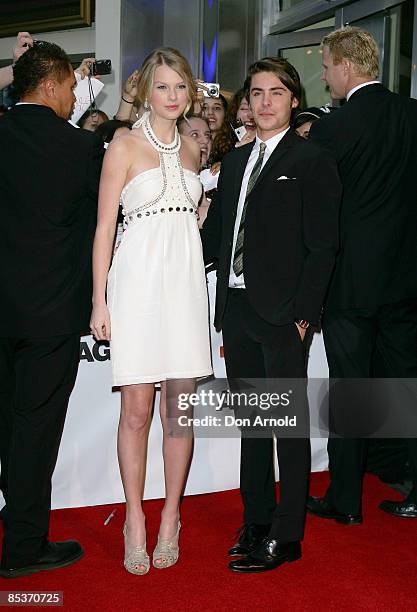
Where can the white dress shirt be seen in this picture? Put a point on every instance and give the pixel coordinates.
(352, 91)
(238, 282)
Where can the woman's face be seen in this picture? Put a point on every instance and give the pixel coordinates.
(214, 112)
(244, 115)
(304, 129)
(92, 122)
(200, 131)
(169, 96)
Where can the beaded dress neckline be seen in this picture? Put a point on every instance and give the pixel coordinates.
(173, 196)
(161, 147)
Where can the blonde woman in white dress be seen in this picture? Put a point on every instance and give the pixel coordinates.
(155, 315)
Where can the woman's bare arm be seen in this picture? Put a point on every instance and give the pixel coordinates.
(113, 178)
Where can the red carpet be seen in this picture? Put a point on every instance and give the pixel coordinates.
(367, 567)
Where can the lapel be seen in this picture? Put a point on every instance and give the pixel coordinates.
(242, 155)
(288, 141)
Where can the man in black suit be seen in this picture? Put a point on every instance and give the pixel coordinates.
(371, 311)
(48, 183)
(273, 229)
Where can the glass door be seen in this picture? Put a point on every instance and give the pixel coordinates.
(302, 49)
(391, 22)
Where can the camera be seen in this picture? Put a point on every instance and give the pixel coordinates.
(240, 132)
(210, 90)
(100, 67)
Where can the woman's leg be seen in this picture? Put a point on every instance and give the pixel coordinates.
(177, 450)
(132, 444)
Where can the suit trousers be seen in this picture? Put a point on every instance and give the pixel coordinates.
(256, 349)
(362, 343)
(36, 380)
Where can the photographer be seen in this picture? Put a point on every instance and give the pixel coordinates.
(23, 41)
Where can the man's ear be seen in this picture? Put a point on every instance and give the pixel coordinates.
(346, 65)
(295, 102)
(48, 86)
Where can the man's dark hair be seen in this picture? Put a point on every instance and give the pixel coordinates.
(282, 68)
(88, 114)
(43, 60)
(107, 129)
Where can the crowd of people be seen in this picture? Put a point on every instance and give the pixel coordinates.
(310, 219)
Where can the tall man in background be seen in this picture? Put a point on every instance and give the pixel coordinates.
(48, 184)
(372, 302)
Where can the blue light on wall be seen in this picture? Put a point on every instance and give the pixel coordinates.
(209, 62)
(210, 41)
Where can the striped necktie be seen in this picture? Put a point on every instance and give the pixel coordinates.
(238, 256)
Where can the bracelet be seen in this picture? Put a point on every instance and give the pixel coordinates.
(127, 101)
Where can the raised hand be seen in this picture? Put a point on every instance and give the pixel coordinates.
(130, 87)
(84, 68)
(23, 41)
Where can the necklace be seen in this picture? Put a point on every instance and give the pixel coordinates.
(173, 147)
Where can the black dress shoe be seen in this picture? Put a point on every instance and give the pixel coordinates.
(250, 536)
(321, 507)
(55, 555)
(406, 509)
(269, 555)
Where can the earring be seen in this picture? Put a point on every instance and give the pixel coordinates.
(146, 104)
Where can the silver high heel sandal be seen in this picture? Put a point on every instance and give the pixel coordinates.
(167, 551)
(136, 558)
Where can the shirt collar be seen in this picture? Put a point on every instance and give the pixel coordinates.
(352, 91)
(271, 143)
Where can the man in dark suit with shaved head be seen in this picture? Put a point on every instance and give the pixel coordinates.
(49, 184)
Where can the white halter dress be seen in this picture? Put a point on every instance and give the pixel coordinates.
(156, 290)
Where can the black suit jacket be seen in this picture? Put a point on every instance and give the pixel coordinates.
(373, 138)
(49, 176)
(290, 230)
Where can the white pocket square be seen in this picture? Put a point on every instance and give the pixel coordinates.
(286, 178)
